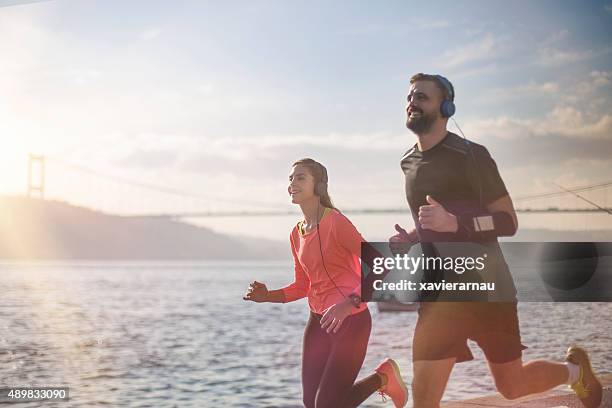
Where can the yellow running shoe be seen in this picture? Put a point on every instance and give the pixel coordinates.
(587, 388)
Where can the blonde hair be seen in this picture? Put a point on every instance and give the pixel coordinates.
(319, 172)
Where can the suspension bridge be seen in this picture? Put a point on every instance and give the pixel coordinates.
(581, 199)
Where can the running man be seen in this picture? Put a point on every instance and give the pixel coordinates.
(455, 193)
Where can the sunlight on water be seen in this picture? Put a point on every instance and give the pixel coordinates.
(180, 335)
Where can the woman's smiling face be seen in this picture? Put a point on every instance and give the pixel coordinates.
(301, 184)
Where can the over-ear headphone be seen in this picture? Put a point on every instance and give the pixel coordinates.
(321, 187)
(447, 107)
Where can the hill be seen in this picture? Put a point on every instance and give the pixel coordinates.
(33, 229)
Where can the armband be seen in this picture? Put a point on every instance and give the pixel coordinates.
(485, 226)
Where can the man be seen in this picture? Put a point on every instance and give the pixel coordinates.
(455, 193)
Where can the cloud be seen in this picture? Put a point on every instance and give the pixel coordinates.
(601, 78)
(149, 158)
(565, 139)
(553, 56)
(536, 178)
(556, 37)
(223, 127)
(206, 88)
(350, 170)
(492, 53)
(550, 56)
(529, 90)
(564, 121)
(26, 48)
(485, 69)
(409, 27)
(430, 24)
(548, 151)
(485, 48)
(86, 77)
(273, 146)
(215, 156)
(608, 8)
(150, 34)
(590, 93)
(8, 3)
(364, 29)
(535, 88)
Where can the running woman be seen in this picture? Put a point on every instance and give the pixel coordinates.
(326, 249)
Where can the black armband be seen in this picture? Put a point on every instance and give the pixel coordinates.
(485, 226)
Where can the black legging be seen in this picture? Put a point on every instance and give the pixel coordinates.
(331, 362)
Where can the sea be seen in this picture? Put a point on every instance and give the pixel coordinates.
(178, 334)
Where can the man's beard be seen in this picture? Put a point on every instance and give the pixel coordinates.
(422, 124)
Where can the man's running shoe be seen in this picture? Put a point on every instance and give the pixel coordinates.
(395, 386)
(588, 387)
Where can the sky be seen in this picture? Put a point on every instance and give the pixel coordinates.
(219, 98)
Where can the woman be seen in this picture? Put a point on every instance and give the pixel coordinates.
(326, 248)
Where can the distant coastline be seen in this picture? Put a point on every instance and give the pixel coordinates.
(33, 229)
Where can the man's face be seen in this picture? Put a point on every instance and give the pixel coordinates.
(423, 109)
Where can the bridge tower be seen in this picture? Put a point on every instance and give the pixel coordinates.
(36, 185)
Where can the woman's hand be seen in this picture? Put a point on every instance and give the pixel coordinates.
(401, 242)
(334, 315)
(257, 292)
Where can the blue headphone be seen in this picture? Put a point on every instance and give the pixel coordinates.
(447, 107)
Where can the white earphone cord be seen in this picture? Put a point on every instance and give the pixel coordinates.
(477, 169)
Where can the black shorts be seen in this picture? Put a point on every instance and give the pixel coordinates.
(443, 329)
